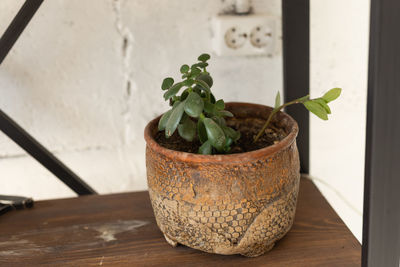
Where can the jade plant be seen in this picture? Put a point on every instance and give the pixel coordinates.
(196, 113)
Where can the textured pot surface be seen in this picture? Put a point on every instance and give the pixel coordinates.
(226, 204)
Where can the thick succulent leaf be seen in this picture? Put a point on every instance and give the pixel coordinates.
(197, 89)
(184, 95)
(187, 130)
(332, 94)
(220, 120)
(209, 108)
(225, 113)
(205, 148)
(212, 98)
(167, 83)
(204, 57)
(228, 143)
(163, 120)
(278, 100)
(206, 78)
(201, 131)
(322, 102)
(201, 64)
(174, 119)
(194, 105)
(204, 86)
(317, 109)
(231, 133)
(173, 90)
(220, 104)
(184, 68)
(195, 72)
(215, 134)
(188, 82)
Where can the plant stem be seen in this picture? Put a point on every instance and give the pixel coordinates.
(275, 110)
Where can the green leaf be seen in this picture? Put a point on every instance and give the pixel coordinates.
(195, 72)
(175, 104)
(228, 143)
(323, 104)
(212, 98)
(206, 78)
(215, 134)
(167, 83)
(231, 133)
(201, 131)
(225, 113)
(194, 105)
(220, 104)
(173, 90)
(197, 89)
(332, 94)
(316, 108)
(174, 119)
(204, 57)
(203, 85)
(201, 64)
(184, 69)
(187, 130)
(278, 100)
(205, 148)
(209, 108)
(188, 82)
(184, 95)
(163, 120)
(220, 120)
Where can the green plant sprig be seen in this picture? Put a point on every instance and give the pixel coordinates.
(318, 106)
(196, 113)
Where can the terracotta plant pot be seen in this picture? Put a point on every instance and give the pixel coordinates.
(226, 204)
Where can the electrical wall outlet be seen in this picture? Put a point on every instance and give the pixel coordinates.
(245, 35)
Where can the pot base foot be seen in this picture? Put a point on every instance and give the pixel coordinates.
(258, 251)
(170, 241)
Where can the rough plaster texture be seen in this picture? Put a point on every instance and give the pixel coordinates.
(85, 77)
(84, 80)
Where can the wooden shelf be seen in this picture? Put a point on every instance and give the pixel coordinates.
(120, 230)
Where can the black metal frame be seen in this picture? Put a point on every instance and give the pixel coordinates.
(381, 225)
(381, 229)
(296, 68)
(41, 154)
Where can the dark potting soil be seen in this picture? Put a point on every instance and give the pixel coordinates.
(248, 128)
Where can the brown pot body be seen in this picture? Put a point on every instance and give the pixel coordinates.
(226, 204)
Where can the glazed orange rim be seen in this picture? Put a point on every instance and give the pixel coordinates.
(222, 158)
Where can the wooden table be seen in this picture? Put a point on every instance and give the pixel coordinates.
(120, 230)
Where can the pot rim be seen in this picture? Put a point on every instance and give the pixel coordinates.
(223, 158)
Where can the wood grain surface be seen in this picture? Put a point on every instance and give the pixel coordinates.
(120, 230)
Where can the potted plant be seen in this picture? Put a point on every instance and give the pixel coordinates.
(223, 178)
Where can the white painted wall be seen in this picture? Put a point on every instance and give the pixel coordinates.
(339, 58)
(66, 82)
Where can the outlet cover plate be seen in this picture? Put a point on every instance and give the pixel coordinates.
(245, 35)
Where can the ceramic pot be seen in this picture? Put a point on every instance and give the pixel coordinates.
(226, 204)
